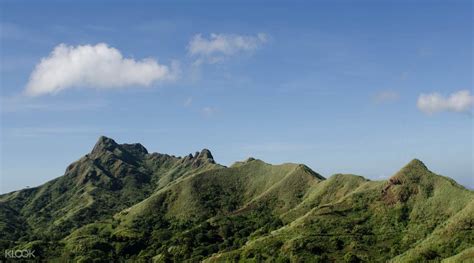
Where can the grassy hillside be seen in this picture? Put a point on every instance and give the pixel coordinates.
(416, 216)
(120, 202)
(109, 179)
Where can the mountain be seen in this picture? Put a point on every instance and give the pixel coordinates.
(121, 203)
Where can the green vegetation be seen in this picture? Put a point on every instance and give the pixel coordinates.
(120, 202)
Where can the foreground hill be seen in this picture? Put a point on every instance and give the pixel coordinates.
(120, 202)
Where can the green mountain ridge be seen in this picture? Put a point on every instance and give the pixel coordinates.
(122, 203)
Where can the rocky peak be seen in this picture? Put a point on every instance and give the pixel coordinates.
(205, 154)
(135, 148)
(199, 158)
(104, 144)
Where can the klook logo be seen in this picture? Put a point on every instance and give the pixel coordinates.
(19, 253)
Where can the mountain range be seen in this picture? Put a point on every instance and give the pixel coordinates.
(121, 203)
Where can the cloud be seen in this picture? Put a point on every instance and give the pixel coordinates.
(220, 46)
(188, 102)
(460, 101)
(98, 66)
(208, 111)
(386, 96)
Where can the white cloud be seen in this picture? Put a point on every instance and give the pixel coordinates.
(460, 101)
(219, 46)
(385, 96)
(98, 66)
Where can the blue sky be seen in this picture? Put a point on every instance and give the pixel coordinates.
(342, 87)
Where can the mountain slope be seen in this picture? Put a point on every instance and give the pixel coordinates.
(376, 221)
(110, 178)
(121, 202)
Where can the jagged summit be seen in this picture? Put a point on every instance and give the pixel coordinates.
(135, 148)
(205, 154)
(104, 143)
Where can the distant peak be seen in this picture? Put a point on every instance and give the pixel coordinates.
(205, 155)
(416, 163)
(249, 159)
(105, 139)
(309, 170)
(240, 163)
(104, 143)
(411, 172)
(135, 148)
